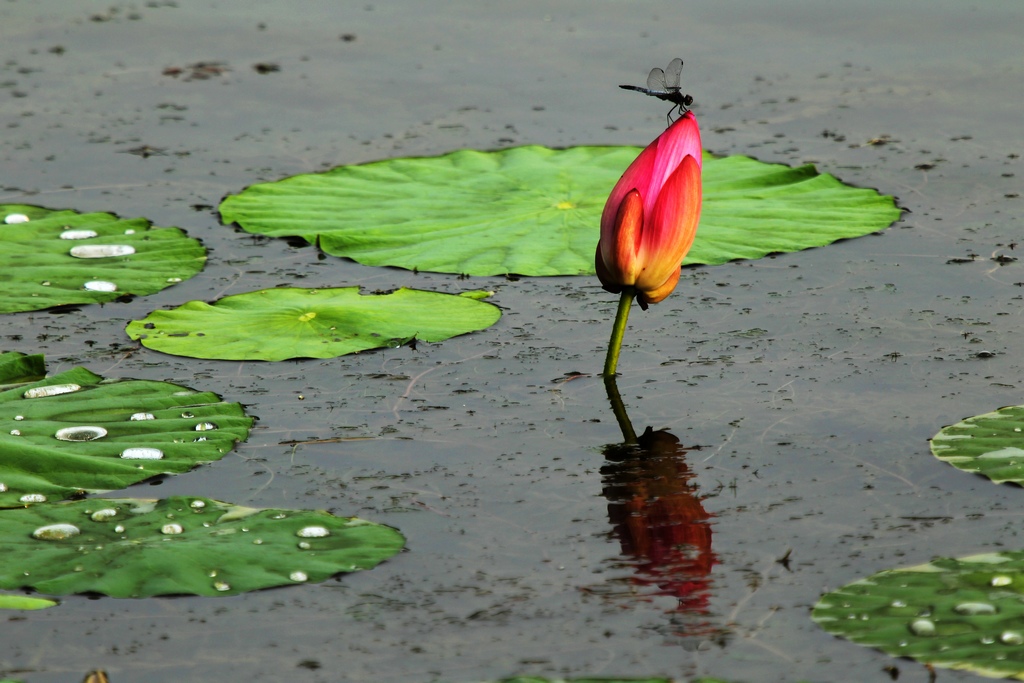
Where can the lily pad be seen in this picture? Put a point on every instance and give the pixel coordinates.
(133, 548)
(991, 445)
(277, 324)
(25, 602)
(17, 368)
(536, 211)
(76, 432)
(965, 613)
(50, 258)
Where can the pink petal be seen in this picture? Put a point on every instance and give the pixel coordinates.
(671, 227)
(637, 177)
(682, 139)
(621, 248)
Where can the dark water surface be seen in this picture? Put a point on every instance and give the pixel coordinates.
(810, 382)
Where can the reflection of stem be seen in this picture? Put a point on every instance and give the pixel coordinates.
(628, 435)
(615, 343)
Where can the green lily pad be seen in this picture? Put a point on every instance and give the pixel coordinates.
(965, 613)
(991, 445)
(277, 324)
(76, 432)
(63, 257)
(536, 211)
(134, 548)
(17, 368)
(25, 602)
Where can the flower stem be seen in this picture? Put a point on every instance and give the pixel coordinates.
(611, 361)
(619, 410)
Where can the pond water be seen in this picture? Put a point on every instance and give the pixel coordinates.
(801, 388)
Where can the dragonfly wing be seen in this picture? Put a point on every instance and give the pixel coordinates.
(671, 75)
(656, 80)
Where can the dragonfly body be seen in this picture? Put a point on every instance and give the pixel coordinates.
(664, 84)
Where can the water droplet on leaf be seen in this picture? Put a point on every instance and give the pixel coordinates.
(56, 532)
(142, 416)
(100, 286)
(32, 498)
(103, 515)
(102, 250)
(80, 433)
(52, 390)
(140, 453)
(974, 608)
(171, 529)
(78, 234)
(922, 627)
(298, 576)
(1012, 638)
(312, 532)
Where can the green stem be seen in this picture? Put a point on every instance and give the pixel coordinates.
(628, 434)
(615, 343)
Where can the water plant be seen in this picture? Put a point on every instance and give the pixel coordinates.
(649, 223)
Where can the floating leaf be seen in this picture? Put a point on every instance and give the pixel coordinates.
(752, 209)
(76, 432)
(277, 324)
(991, 445)
(132, 548)
(536, 211)
(965, 613)
(25, 602)
(63, 257)
(17, 368)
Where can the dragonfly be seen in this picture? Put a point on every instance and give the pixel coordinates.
(664, 84)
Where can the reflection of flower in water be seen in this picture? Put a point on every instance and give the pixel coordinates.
(658, 518)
